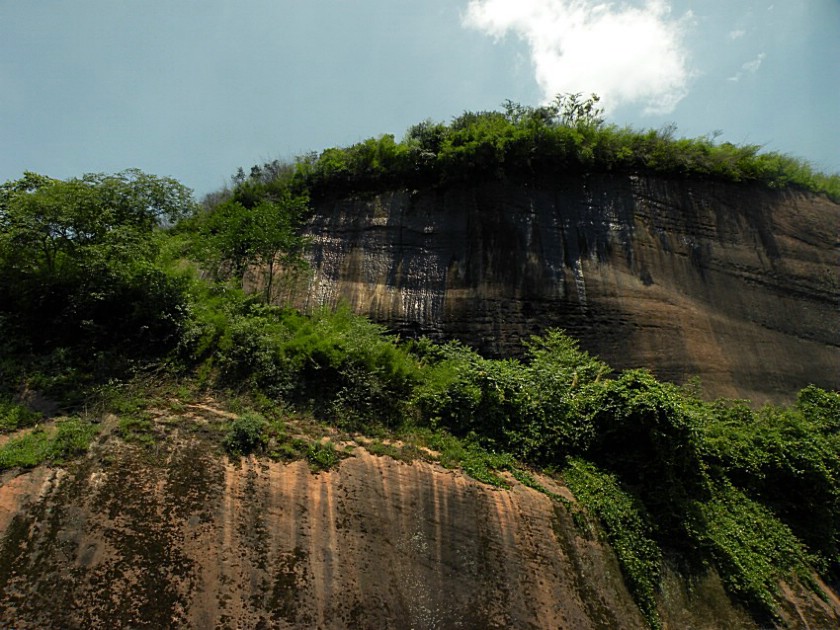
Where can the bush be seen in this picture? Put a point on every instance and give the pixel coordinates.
(322, 456)
(340, 364)
(751, 548)
(72, 439)
(247, 434)
(787, 459)
(14, 416)
(645, 433)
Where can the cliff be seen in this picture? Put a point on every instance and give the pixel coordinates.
(171, 533)
(736, 284)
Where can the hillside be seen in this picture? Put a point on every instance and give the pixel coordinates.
(181, 446)
(155, 527)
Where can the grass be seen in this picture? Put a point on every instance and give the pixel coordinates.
(70, 439)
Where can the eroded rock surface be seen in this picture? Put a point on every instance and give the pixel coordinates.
(205, 543)
(736, 284)
(177, 535)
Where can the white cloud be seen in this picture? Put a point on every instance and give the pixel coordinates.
(755, 64)
(626, 53)
(750, 66)
(737, 34)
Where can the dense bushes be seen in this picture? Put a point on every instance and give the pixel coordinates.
(752, 549)
(566, 136)
(340, 366)
(789, 459)
(80, 281)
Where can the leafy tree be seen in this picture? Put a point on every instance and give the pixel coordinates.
(233, 236)
(78, 260)
(572, 110)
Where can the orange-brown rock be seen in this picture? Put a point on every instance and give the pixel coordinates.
(374, 544)
(177, 536)
(204, 543)
(734, 283)
(171, 533)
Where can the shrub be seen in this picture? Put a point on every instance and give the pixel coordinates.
(323, 456)
(247, 434)
(14, 416)
(751, 548)
(568, 135)
(787, 459)
(72, 439)
(645, 433)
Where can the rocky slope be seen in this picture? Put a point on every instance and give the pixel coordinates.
(170, 533)
(736, 284)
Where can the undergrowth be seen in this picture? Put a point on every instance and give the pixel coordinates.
(14, 416)
(627, 529)
(70, 439)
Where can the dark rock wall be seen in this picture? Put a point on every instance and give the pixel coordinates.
(736, 284)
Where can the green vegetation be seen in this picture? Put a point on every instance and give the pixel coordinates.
(323, 456)
(568, 136)
(628, 531)
(752, 549)
(246, 231)
(247, 434)
(104, 278)
(70, 439)
(82, 294)
(14, 416)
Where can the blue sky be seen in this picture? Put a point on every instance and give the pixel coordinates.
(193, 89)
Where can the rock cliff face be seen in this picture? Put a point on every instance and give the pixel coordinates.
(736, 284)
(175, 535)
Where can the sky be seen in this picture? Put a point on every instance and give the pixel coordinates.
(194, 89)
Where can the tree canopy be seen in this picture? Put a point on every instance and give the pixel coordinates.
(78, 259)
(231, 237)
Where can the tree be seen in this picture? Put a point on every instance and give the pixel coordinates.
(79, 256)
(48, 226)
(233, 237)
(572, 110)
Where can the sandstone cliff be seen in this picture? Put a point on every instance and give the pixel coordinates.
(173, 534)
(736, 284)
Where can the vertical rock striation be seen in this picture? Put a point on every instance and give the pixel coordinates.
(734, 283)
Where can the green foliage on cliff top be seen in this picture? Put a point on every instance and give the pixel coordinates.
(568, 136)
